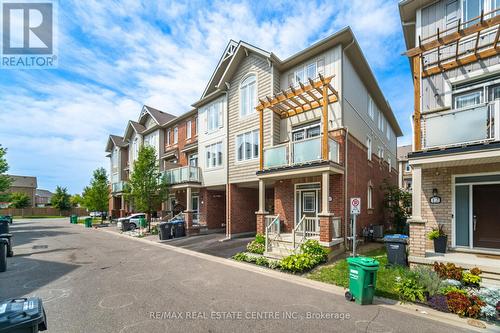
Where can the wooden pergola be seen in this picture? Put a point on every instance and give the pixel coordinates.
(452, 39)
(296, 100)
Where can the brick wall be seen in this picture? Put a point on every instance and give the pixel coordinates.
(361, 172)
(212, 208)
(182, 140)
(243, 203)
(441, 179)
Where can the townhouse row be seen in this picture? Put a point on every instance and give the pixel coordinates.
(272, 145)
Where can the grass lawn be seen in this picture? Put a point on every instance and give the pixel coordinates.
(337, 273)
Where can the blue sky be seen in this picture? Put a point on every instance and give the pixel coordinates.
(115, 56)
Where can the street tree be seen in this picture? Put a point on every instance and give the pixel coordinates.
(147, 188)
(19, 200)
(61, 199)
(96, 195)
(5, 180)
(76, 200)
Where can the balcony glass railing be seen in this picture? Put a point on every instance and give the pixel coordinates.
(461, 126)
(183, 175)
(118, 186)
(299, 152)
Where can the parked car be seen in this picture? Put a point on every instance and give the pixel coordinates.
(96, 214)
(131, 220)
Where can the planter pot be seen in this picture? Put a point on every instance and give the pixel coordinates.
(440, 244)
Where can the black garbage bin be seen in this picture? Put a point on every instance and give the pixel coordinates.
(125, 226)
(165, 230)
(22, 315)
(8, 237)
(396, 249)
(4, 225)
(179, 229)
(3, 254)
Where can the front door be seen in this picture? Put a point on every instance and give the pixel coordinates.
(195, 203)
(309, 203)
(486, 216)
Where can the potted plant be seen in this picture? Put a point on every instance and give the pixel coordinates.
(440, 239)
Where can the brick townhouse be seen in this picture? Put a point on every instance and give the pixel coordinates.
(283, 141)
(455, 158)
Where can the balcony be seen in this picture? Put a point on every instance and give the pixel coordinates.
(186, 174)
(118, 187)
(299, 152)
(462, 126)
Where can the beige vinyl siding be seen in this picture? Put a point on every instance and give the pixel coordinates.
(356, 115)
(332, 60)
(246, 170)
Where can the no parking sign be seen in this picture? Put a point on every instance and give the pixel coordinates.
(355, 206)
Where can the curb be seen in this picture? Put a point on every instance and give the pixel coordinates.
(413, 309)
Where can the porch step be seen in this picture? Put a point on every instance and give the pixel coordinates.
(280, 248)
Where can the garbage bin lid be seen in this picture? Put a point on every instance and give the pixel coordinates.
(363, 261)
(22, 313)
(4, 241)
(398, 236)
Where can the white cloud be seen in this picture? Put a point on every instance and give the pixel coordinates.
(116, 56)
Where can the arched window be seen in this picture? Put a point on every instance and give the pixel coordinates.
(248, 95)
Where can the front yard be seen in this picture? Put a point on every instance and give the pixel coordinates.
(338, 274)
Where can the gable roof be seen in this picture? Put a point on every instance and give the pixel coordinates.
(234, 52)
(133, 126)
(160, 117)
(115, 140)
(403, 152)
(23, 181)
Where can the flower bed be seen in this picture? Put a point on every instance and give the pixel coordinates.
(444, 287)
(310, 255)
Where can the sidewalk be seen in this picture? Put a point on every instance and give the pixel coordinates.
(413, 309)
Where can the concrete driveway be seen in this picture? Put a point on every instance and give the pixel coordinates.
(96, 281)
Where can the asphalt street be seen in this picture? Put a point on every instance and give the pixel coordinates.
(95, 281)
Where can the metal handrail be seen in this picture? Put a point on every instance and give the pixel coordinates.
(307, 227)
(275, 221)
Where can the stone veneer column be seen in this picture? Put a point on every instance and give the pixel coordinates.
(188, 219)
(417, 238)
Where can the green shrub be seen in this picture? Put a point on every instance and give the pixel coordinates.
(448, 271)
(452, 289)
(250, 259)
(409, 288)
(273, 264)
(313, 248)
(262, 261)
(240, 256)
(255, 247)
(470, 279)
(428, 279)
(154, 230)
(260, 239)
(298, 263)
(436, 233)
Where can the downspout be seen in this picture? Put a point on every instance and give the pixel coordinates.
(228, 202)
(346, 137)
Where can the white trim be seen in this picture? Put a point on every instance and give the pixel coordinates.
(245, 161)
(246, 76)
(471, 203)
(295, 190)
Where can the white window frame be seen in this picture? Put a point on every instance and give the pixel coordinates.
(188, 129)
(369, 146)
(407, 167)
(371, 108)
(308, 195)
(240, 140)
(176, 135)
(463, 8)
(248, 84)
(214, 155)
(301, 72)
(168, 137)
(369, 196)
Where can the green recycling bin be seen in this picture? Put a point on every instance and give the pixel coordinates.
(362, 279)
(142, 222)
(73, 219)
(88, 222)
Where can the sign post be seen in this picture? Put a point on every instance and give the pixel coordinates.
(355, 211)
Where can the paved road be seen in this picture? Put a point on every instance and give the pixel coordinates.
(94, 281)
